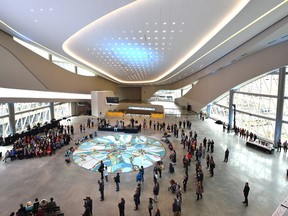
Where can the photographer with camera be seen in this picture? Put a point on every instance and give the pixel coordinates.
(87, 206)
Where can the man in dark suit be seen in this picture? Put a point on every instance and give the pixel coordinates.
(121, 206)
(101, 169)
(89, 203)
(136, 199)
(101, 188)
(246, 192)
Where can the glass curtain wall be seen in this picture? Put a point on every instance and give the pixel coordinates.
(256, 105)
(31, 114)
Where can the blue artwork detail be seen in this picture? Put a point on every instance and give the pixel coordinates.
(120, 153)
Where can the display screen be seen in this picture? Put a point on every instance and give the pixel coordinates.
(141, 108)
(112, 100)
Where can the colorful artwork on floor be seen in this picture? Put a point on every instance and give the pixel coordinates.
(120, 153)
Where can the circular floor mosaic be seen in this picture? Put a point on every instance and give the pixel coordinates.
(120, 153)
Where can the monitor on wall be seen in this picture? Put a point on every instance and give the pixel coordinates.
(112, 100)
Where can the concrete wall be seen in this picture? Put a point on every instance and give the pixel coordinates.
(99, 107)
(210, 87)
(23, 69)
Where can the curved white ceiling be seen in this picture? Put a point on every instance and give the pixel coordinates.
(144, 41)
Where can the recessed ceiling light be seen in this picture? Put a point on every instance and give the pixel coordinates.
(156, 31)
(172, 31)
(31, 10)
(35, 20)
(41, 10)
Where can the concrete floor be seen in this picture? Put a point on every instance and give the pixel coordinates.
(21, 181)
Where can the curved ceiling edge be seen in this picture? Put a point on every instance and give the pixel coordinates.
(66, 45)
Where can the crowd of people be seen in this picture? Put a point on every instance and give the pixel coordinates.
(198, 153)
(38, 208)
(37, 146)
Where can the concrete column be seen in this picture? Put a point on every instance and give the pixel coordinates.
(50, 57)
(11, 118)
(76, 69)
(280, 103)
(230, 114)
(52, 115)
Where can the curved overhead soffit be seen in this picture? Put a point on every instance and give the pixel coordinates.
(81, 45)
(229, 38)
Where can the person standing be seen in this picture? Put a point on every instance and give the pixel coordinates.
(185, 180)
(142, 172)
(207, 161)
(106, 173)
(138, 188)
(101, 189)
(212, 146)
(150, 206)
(155, 177)
(72, 129)
(88, 203)
(87, 211)
(35, 206)
(117, 181)
(279, 145)
(156, 191)
(246, 193)
(199, 190)
(212, 166)
(157, 212)
(226, 155)
(175, 207)
(101, 169)
(136, 197)
(121, 206)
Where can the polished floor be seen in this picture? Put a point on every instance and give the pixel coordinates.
(21, 181)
